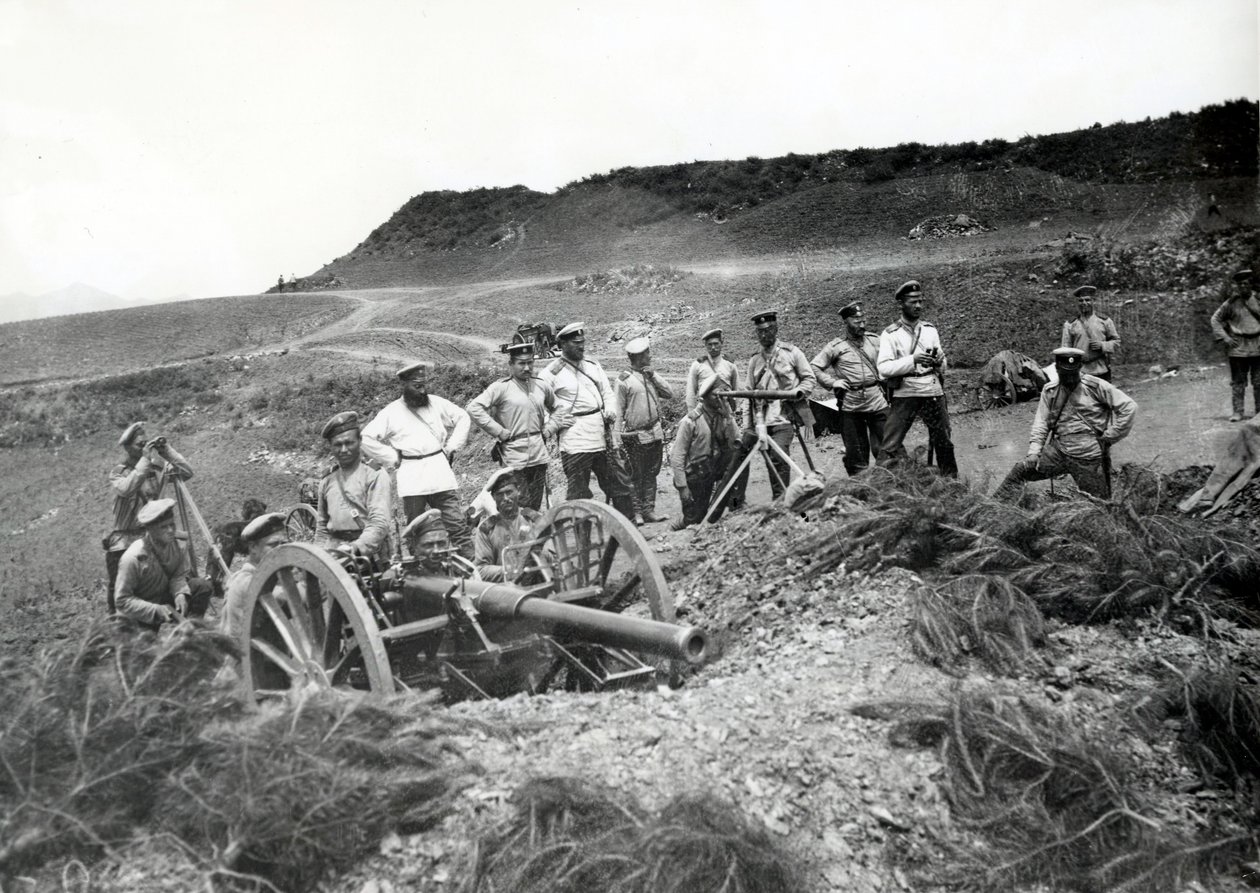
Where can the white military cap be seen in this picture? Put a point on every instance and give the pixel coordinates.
(263, 525)
(154, 511)
(408, 371)
(637, 345)
(572, 330)
(425, 522)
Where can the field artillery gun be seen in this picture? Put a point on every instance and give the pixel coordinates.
(317, 620)
(540, 334)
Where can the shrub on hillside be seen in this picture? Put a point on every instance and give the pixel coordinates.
(1188, 261)
(640, 277)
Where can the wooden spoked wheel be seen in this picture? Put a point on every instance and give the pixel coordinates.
(308, 626)
(299, 523)
(588, 543)
(987, 398)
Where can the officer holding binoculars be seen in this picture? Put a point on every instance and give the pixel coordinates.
(136, 482)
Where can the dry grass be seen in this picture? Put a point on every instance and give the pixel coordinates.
(1220, 720)
(570, 836)
(980, 615)
(1043, 805)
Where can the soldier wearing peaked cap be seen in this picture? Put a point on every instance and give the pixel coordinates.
(706, 439)
(353, 510)
(134, 482)
(847, 366)
(912, 362)
(1078, 418)
(514, 411)
(586, 411)
(259, 537)
(710, 364)
(1237, 323)
(155, 582)
(418, 435)
(510, 524)
(639, 393)
(427, 537)
(1092, 334)
(778, 366)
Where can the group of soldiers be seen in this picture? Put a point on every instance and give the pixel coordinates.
(614, 430)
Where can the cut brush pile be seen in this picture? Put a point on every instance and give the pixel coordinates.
(570, 836)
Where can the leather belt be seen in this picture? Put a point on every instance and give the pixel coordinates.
(403, 455)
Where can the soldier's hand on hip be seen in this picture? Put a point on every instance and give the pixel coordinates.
(1231, 342)
(505, 435)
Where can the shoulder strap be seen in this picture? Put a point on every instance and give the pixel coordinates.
(358, 509)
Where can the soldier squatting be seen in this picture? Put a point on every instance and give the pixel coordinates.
(613, 430)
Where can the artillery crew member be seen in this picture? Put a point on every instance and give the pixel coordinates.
(427, 538)
(639, 393)
(707, 437)
(1078, 418)
(353, 511)
(1237, 323)
(913, 364)
(134, 483)
(258, 537)
(1093, 335)
(155, 583)
(512, 523)
(847, 366)
(779, 366)
(514, 410)
(418, 434)
(586, 410)
(711, 364)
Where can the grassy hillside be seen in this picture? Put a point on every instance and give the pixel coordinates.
(86, 344)
(678, 212)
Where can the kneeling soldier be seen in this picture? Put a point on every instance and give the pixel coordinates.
(155, 583)
(354, 509)
(512, 524)
(1077, 420)
(707, 436)
(259, 537)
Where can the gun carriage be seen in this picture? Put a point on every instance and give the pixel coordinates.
(586, 607)
(539, 334)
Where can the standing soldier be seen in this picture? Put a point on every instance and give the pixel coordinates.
(513, 411)
(418, 435)
(586, 408)
(136, 482)
(847, 366)
(1093, 335)
(639, 393)
(711, 364)
(353, 511)
(1237, 323)
(1077, 420)
(707, 437)
(512, 523)
(779, 366)
(912, 362)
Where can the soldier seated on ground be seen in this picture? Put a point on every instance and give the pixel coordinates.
(227, 537)
(510, 524)
(155, 583)
(260, 536)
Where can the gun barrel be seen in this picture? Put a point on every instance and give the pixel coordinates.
(761, 394)
(503, 601)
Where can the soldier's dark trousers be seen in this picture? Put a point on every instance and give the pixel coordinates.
(863, 433)
(645, 468)
(1240, 368)
(935, 414)
(111, 570)
(611, 472)
(701, 478)
(1088, 473)
(533, 479)
(453, 519)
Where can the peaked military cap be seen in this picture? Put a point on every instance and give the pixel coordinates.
(853, 308)
(425, 522)
(154, 511)
(1068, 358)
(1243, 275)
(264, 525)
(524, 349)
(712, 333)
(500, 478)
(765, 316)
(637, 346)
(409, 371)
(908, 289)
(129, 433)
(1085, 291)
(572, 330)
(342, 421)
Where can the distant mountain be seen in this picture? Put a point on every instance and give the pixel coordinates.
(75, 298)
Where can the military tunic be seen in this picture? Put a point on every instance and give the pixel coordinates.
(702, 446)
(354, 507)
(151, 576)
(421, 439)
(494, 534)
(917, 391)
(853, 365)
(702, 369)
(520, 410)
(1081, 331)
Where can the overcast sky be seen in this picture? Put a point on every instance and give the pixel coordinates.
(156, 147)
